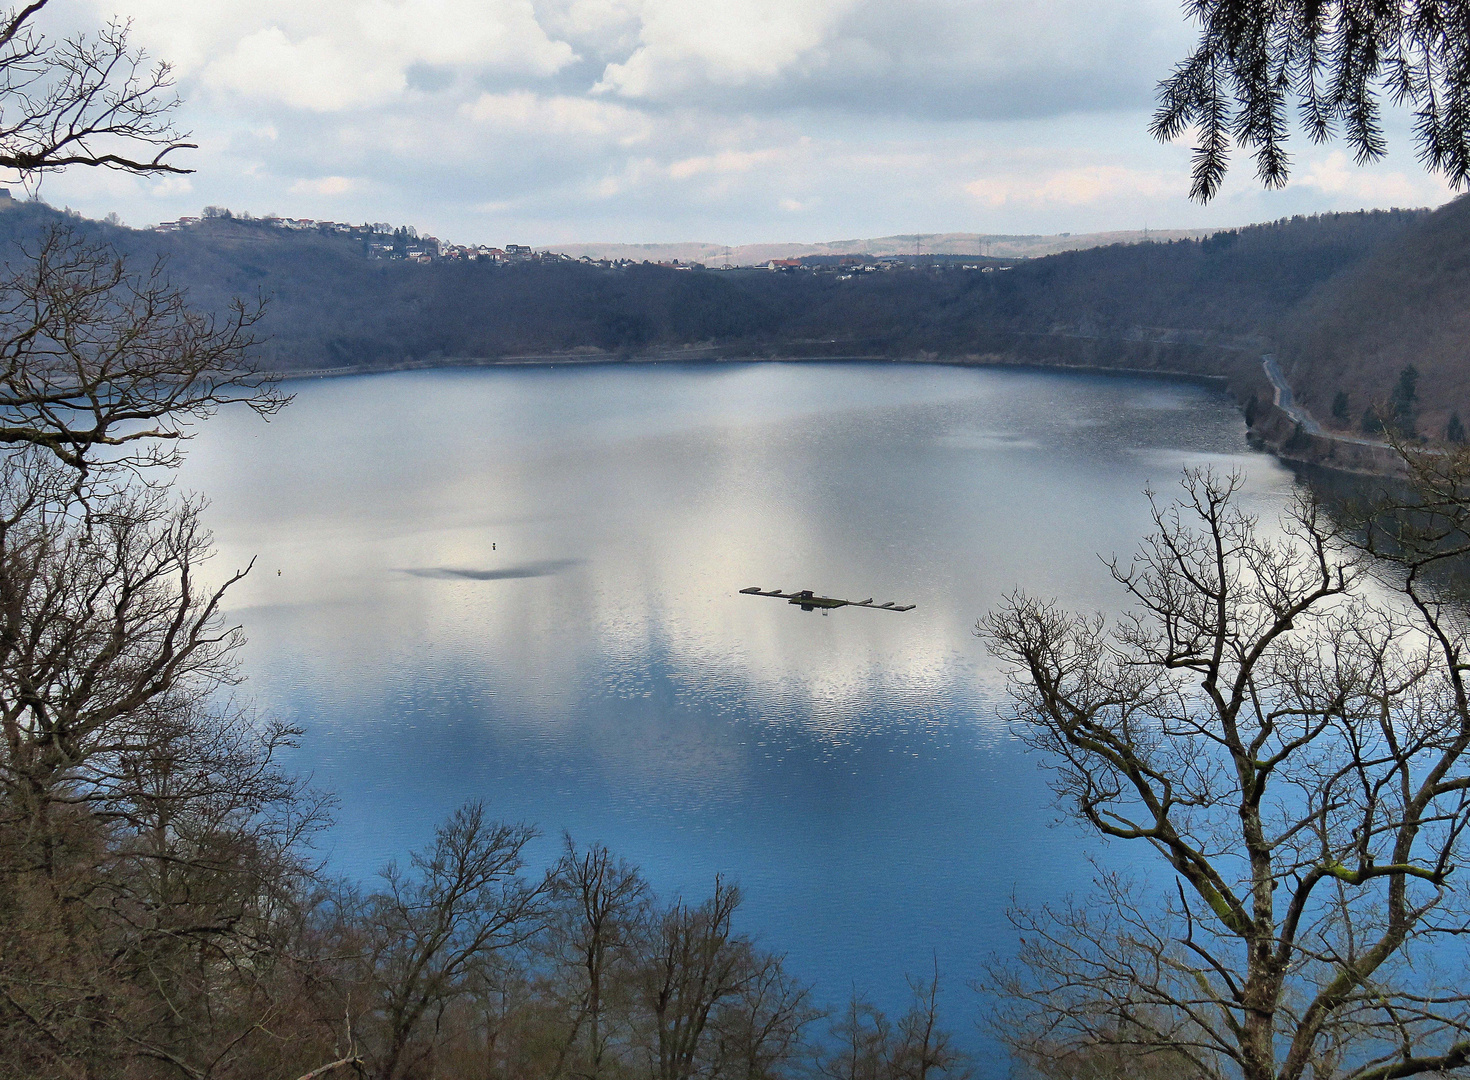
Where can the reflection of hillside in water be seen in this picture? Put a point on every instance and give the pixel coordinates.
(597, 668)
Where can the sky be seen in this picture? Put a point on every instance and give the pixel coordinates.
(727, 121)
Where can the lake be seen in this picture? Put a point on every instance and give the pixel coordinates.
(522, 585)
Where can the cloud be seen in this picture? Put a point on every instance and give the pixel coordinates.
(723, 43)
(1336, 175)
(343, 54)
(308, 73)
(525, 113)
(952, 58)
(600, 28)
(725, 162)
(723, 120)
(171, 186)
(939, 58)
(326, 185)
(1073, 187)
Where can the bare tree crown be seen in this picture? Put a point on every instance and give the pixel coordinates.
(1293, 748)
(89, 100)
(105, 366)
(101, 364)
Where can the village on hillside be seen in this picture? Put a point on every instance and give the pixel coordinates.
(382, 240)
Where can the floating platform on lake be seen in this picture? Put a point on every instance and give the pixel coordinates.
(809, 601)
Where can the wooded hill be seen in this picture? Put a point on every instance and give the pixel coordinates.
(1408, 304)
(1346, 300)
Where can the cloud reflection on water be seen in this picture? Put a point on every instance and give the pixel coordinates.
(548, 568)
(852, 771)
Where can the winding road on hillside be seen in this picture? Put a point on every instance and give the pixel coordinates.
(1309, 424)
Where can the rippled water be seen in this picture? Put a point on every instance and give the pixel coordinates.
(521, 586)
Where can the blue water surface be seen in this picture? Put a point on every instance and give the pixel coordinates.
(522, 586)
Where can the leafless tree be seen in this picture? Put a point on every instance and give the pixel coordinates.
(149, 841)
(759, 1033)
(924, 1046)
(85, 100)
(861, 1043)
(161, 941)
(599, 903)
(102, 365)
(95, 356)
(1289, 740)
(867, 1045)
(106, 634)
(691, 961)
(1420, 530)
(426, 932)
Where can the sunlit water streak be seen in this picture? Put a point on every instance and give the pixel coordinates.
(597, 670)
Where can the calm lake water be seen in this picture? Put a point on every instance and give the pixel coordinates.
(521, 586)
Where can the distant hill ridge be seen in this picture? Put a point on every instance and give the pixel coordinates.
(1344, 300)
(995, 245)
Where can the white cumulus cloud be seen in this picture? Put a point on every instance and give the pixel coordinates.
(1336, 175)
(339, 54)
(723, 42)
(325, 185)
(723, 120)
(523, 112)
(1078, 186)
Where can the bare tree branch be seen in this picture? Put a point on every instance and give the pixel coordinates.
(1294, 748)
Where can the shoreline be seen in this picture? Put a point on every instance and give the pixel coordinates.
(1282, 428)
(1294, 435)
(575, 360)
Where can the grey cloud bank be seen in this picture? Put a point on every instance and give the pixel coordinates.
(733, 121)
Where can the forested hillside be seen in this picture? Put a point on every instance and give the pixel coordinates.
(1408, 305)
(1351, 294)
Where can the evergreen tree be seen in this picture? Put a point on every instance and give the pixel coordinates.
(1340, 407)
(1335, 61)
(1454, 431)
(1404, 398)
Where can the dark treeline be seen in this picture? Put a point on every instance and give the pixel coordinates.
(176, 930)
(330, 306)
